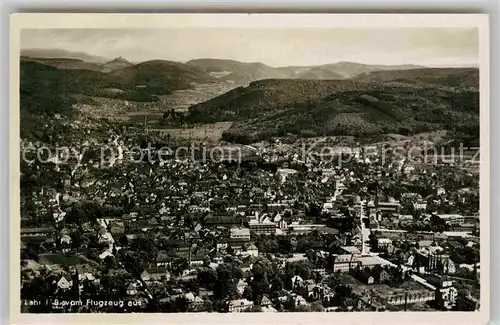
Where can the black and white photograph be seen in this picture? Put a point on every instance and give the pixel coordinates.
(250, 169)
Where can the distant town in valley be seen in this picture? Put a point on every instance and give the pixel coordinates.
(333, 188)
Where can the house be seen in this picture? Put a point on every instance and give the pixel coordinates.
(65, 238)
(130, 217)
(145, 276)
(132, 289)
(383, 243)
(351, 249)
(159, 274)
(344, 263)
(105, 237)
(252, 250)
(266, 302)
(198, 304)
(264, 227)
(117, 227)
(118, 272)
(35, 234)
(299, 300)
(197, 260)
(364, 277)
(239, 305)
(224, 220)
(240, 233)
(163, 258)
(297, 281)
(384, 276)
(85, 272)
(105, 254)
(65, 282)
(371, 261)
(241, 286)
(425, 243)
(87, 227)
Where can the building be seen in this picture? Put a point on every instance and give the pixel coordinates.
(265, 227)
(240, 233)
(389, 207)
(252, 250)
(239, 305)
(284, 173)
(224, 220)
(432, 260)
(305, 228)
(411, 297)
(320, 270)
(36, 234)
(132, 289)
(383, 243)
(419, 206)
(345, 263)
(371, 261)
(65, 282)
(117, 227)
(446, 293)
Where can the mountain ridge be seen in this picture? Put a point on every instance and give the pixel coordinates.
(245, 72)
(275, 107)
(44, 53)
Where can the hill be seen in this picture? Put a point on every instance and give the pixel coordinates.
(63, 54)
(42, 96)
(319, 73)
(236, 71)
(115, 64)
(143, 82)
(265, 96)
(64, 63)
(450, 77)
(351, 69)
(244, 73)
(341, 107)
(78, 64)
(161, 74)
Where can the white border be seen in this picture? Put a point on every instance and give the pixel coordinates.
(19, 21)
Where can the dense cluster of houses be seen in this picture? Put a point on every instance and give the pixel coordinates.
(149, 234)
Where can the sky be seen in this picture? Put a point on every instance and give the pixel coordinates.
(274, 47)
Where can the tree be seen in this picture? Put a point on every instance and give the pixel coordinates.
(303, 270)
(259, 283)
(179, 265)
(313, 210)
(373, 241)
(247, 293)
(110, 262)
(207, 277)
(302, 245)
(276, 285)
(225, 286)
(181, 304)
(317, 307)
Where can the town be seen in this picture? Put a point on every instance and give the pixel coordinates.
(270, 232)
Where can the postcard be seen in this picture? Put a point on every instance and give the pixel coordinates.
(249, 168)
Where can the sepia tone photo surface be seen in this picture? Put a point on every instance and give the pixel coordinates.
(265, 166)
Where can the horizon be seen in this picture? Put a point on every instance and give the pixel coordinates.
(106, 60)
(429, 47)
